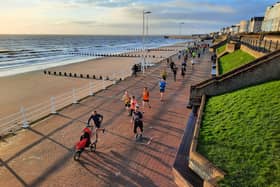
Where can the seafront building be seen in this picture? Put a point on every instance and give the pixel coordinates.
(255, 25)
(271, 20)
(243, 26)
(269, 23)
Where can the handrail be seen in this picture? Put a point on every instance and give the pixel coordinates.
(27, 115)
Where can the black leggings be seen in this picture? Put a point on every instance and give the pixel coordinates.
(138, 123)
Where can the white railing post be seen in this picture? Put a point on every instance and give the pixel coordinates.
(103, 83)
(115, 78)
(53, 110)
(24, 120)
(74, 96)
(91, 92)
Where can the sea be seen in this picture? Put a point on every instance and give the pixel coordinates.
(25, 53)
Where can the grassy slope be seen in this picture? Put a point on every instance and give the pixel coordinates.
(240, 134)
(221, 49)
(234, 60)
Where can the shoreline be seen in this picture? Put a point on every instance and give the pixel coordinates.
(71, 58)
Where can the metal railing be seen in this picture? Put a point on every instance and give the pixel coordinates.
(27, 115)
(264, 46)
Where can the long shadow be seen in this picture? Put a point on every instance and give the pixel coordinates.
(132, 142)
(186, 172)
(122, 157)
(163, 131)
(123, 165)
(168, 127)
(55, 167)
(51, 139)
(44, 138)
(13, 172)
(59, 162)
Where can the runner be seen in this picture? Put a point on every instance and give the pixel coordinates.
(174, 72)
(183, 72)
(164, 74)
(184, 64)
(146, 96)
(126, 100)
(172, 65)
(162, 85)
(97, 119)
(137, 121)
(133, 103)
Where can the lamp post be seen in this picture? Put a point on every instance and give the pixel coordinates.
(143, 40)
(180, 25)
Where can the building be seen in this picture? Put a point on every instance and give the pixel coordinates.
(223, 30)
(243, 26)
(227, 30)
(237, 28)
(271, 20)
(234, 29)
(255, 25)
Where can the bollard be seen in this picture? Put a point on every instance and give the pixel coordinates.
(91, 92)
(74, 96)
(45, 72)
(24, 120)
(65, 74)
(53, 110)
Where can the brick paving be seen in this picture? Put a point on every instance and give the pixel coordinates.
(43, 154)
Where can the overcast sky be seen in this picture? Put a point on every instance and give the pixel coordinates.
(124, 16)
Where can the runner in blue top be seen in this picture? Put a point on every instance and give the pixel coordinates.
(162, 84)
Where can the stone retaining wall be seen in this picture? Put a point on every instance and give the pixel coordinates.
(215, 46)
(199, 164)
(252, 52)
(264, 69)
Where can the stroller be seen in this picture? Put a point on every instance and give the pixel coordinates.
(84, 143)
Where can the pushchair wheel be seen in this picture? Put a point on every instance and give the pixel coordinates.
(93, 147)
(77, 155)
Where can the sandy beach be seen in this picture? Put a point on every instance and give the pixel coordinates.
(28, 89)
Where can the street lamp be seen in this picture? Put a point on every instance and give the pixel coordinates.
(143, 39)
(180, 25)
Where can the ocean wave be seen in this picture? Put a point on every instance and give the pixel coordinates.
(28, 53)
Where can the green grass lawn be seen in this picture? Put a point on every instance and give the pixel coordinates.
(234, 60)
(221, 49)
(240, 133)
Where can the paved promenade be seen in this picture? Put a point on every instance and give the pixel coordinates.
(43, 154)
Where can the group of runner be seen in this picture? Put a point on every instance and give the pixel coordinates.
(132, 107)
(131, 103)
